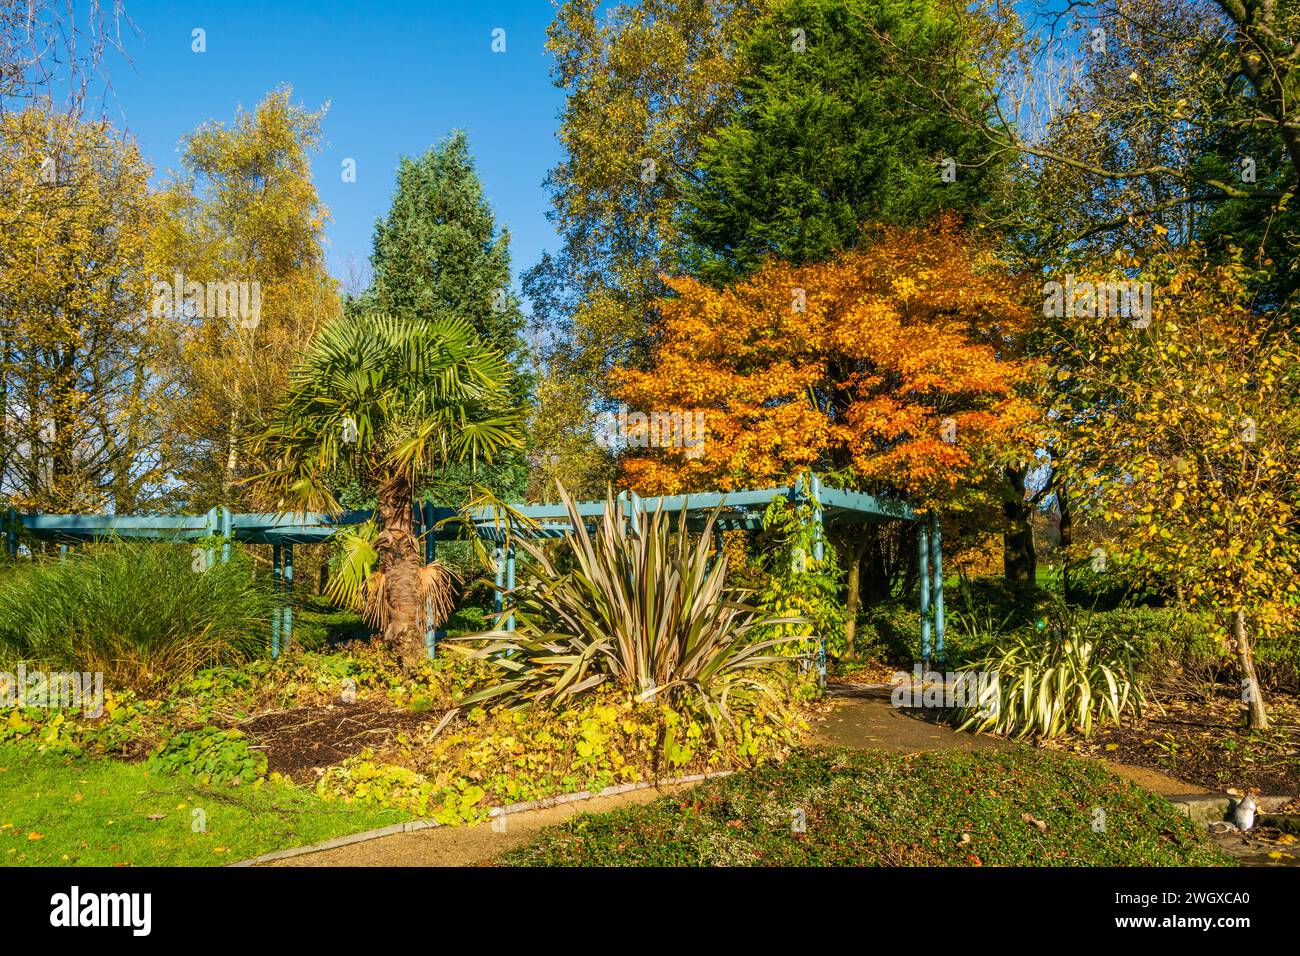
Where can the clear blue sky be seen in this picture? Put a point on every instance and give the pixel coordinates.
(397, 74)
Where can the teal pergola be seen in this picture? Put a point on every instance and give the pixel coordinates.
(738, 510)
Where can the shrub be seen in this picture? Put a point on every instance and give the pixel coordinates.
(1277, 660)
(210, 754)
(1168, 641)
(318, 624)
(797, 586)
(136, 611)
(1066, 677)
(642, 609)
(891, 632)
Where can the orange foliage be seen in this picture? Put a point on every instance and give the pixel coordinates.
(891, 342)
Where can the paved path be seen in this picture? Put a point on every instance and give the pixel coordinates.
(465, 846)
(863, 717)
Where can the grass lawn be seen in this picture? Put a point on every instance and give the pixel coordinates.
(1022, 808)
(57, 810)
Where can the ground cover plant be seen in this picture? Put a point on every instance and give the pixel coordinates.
(837, 808)
(511, 756)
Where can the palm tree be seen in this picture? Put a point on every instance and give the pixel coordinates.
(387, 402)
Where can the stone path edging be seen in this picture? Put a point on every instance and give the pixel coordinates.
(414, 825)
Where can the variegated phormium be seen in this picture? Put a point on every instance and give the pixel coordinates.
(642, 606)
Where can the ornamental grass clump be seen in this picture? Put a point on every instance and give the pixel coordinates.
(640, 604)
(137, 611)
(1060, 677)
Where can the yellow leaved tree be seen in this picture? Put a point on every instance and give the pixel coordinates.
(1180, 426)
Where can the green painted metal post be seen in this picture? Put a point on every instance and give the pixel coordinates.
(430, 555)
(936, 558)
(286, 631)
(635, 501)
(274, 593)
(797, 495)
(275, 610)
(806, 488)
(510, 584)
(923, 554)
(498, 600)
(227, 533)
(819, 543)
(214, 523)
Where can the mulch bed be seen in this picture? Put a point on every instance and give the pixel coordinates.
(303, 741)
(1201, 739)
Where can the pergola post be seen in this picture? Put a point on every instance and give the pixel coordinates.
(286, 630)
(923, 555)
(804, 489)
(275, 611)
(819, 542)
(227, 532)
(430, 555)
(936, 549)
(214, 524)
(498, 599)
(510, 584)
(634, 501)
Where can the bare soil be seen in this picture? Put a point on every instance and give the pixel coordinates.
(301, 742)
(1201, 738)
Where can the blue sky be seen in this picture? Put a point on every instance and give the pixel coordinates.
(397, 74)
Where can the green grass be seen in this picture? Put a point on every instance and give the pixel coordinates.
(875, 809)
(79, 811)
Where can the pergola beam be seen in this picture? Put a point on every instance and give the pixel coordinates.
(739, 510)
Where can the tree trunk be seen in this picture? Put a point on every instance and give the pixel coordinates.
(853, 598)
(1252, 694)
(1019, 564)
(1066, 532)
(232, 453)
(400, 563)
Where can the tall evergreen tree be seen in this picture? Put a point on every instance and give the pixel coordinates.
(439, 253)
(833, 132)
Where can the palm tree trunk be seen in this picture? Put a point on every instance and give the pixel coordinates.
(400, 562)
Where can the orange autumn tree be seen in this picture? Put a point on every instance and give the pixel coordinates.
(894, 367)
